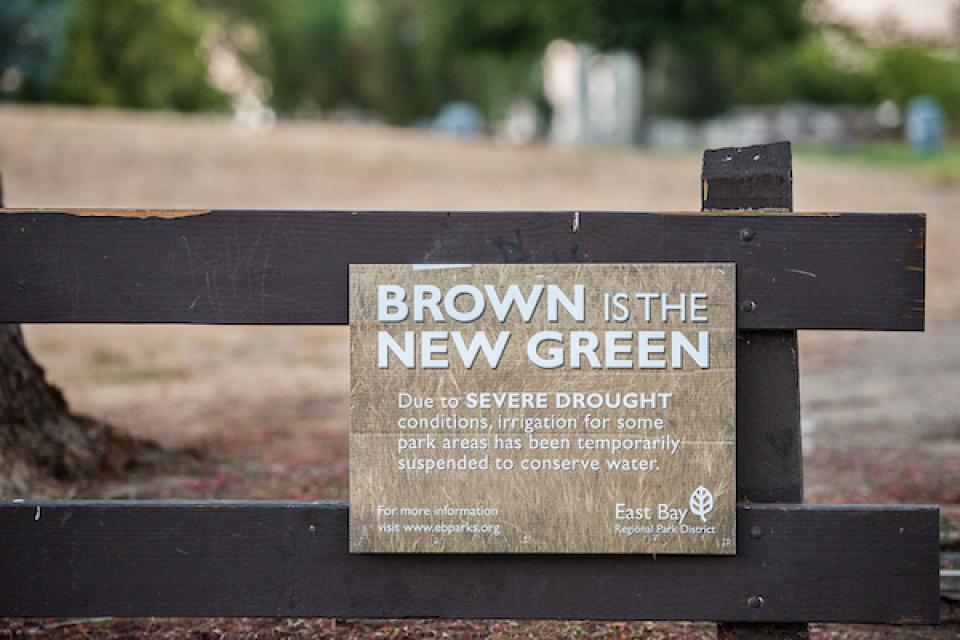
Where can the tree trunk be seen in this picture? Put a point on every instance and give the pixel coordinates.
(42, 443)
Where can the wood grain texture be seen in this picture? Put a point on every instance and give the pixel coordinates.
(769, 448)
(754, 178)
(817, 563)
(843, 271)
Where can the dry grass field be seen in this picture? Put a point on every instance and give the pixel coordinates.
(268, 405)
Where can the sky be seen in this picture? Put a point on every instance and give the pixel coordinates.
(925, 18)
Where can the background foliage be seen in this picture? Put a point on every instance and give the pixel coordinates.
(401, 60)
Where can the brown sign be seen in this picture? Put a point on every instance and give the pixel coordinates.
(542, 408)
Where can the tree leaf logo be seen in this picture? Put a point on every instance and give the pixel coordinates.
(701, 502)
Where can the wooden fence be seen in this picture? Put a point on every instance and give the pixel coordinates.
(795, 563)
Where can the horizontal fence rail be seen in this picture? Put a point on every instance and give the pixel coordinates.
(794, 563)
(794, 271)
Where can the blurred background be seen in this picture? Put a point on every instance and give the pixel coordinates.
(665, 74)
(463, 104)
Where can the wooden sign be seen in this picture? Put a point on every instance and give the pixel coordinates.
(542, 408)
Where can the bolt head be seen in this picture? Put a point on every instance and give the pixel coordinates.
(746, 235)
(748, 306)
(756, 532)
(755, 602)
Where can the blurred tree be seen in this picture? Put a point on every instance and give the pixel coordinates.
(301, 48)
(487, 53)
(700, 49)
(137, 53)
(834, 65)
(402, 60)
(904, 71)
(695, 26)
(386, 46)
(814, 71)
(32, 40)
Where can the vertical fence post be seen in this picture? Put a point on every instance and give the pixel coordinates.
(769, 457)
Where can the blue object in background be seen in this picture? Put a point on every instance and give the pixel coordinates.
(924, 124)
(459, 119)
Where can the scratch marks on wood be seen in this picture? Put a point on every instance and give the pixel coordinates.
(186, 244)
(512, 250)
(76, 287)
(809, 274)
(231, 273)
(515, 251)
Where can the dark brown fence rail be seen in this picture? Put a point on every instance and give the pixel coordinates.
(793, 563)
(803, 271)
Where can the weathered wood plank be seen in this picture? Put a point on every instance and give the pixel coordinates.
(769, 452)
(843, 271)
(758, 177)
(793, 563)
(769, 448)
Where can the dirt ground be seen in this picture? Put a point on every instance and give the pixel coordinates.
(268, 405)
